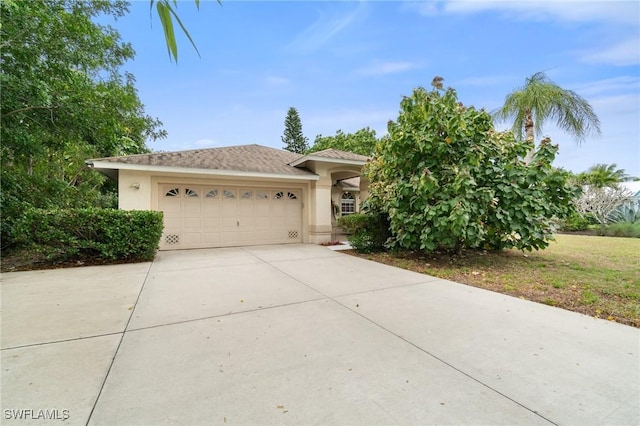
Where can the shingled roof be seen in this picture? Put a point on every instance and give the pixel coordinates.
(338, 155)
(242, 158)
(331, 155)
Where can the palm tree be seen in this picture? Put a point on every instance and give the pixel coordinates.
(602, 175)
(541, 99)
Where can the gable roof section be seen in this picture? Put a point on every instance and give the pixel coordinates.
(246, 160)
(332, 156)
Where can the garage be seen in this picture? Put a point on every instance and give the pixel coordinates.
(237, 195)
(200, 216)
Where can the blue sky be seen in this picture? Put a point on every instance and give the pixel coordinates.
(346, 65)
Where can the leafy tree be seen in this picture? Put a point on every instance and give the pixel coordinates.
(64, 99)
(539, 100)
(447, 180)
(602, 175)
(293, 138)
(361, 142)
(602, 202)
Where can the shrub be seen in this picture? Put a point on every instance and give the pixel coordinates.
(369, 231)
(623, 229)
(108, 234)
(575, 222)
(626, 214)
(448, 181)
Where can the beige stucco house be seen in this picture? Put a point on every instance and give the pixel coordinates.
(240, 195)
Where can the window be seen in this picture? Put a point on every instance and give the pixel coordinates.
(246, 195)
(212, 194)
(191, 193)
(229, 194)
(261, 195)
(174, 192)
(347, 204)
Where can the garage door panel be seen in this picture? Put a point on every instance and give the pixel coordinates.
(210, 205)
(198, 216)
(211, 238)
(228, 238)
(191, 238)
(228, 208)
(172, 222)
(246, 209)
(261, 222)
(192, 223)
(261, 208)
(211, 224)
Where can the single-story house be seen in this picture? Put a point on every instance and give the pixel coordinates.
(633, 189)
(240, 195)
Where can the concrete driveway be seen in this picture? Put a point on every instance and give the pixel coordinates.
(299, 334)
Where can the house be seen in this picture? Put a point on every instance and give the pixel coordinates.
(633, 189)
(240, 195)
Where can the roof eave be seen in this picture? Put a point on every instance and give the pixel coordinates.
(105, 166)
(307, 158)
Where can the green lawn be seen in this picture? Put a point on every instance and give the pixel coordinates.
(597, 276)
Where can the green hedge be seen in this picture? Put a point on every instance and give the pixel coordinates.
(624, 229)
(108, 234)
(369, 231)
(575, 222)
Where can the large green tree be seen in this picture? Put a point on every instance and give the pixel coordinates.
(65, 98)
(447, 180)
(361, 142)
(540, 100)
(293, 138)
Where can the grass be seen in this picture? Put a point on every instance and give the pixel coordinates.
(597, 276)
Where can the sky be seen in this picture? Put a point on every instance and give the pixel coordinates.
(347, 64)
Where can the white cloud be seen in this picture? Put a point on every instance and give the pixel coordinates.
(482, 81)
(623, 84)
(385, 68)
(274, 80)
(324, 29)
(624, 53)
(620, 11)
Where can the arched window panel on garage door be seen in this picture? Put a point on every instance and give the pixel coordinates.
(173, 192)
(191, 193)
(285, 195)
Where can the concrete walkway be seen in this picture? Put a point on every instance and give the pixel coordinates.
(300, 334)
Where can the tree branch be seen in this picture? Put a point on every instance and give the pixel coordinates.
(28, 109)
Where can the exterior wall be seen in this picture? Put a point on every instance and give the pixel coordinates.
(321, 220)
(320, 214)
(134, 190)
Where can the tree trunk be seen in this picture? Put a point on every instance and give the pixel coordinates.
(528, 131)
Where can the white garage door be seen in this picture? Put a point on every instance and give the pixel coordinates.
(199, 216)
